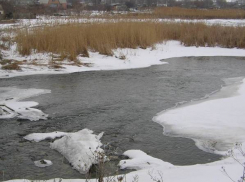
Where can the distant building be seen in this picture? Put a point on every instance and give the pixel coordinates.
(54, 3)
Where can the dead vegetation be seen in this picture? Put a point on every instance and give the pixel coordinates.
(10, 64)
(71, 40)
(177, 12)
(184, 13)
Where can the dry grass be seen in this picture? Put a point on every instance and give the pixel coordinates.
(176, 12)
(71, 40)
(10, 65)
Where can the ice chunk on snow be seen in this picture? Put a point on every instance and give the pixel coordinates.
(37, 137)
(11, 107)
(43, 163)
(81, 149)
(140, 160)
(215, 123)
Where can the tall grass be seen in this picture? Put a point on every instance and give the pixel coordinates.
(71, 40)
(176, 12)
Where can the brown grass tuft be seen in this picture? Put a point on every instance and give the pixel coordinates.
(10, 65)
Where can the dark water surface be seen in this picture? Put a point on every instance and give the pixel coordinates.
(120, 103)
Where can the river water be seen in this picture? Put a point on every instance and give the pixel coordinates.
(121, 103)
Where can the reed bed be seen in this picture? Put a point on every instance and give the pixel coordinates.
(71, 40)
(184, 13)
(176, 12)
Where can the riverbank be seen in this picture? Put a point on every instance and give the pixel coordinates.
(134, 58)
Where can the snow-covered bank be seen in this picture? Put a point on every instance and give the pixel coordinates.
(154, 170)
(216, 123)
(54, 20)
(10, 105)
(81, 149)
(135, 58)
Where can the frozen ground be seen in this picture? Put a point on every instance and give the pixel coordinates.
(220, 116)
(135, 58)
(10, 105)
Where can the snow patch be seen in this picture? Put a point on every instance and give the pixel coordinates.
(37, 137)
(140, 160)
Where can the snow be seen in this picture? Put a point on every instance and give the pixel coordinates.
(81, 149)
(37, 137)
(202, 172)
(43, 163)
(216, 123)
(135, 58)
(140, 160)
(10, 105)
(52, 20)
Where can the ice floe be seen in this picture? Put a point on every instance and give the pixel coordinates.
(43, 163)
(216, 123)
(10, 105)
(82, 149)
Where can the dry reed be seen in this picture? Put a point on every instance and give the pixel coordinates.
(71, 40)
(176, 12)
